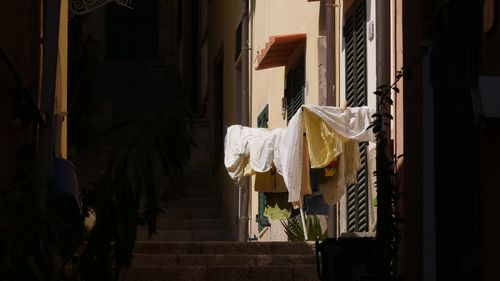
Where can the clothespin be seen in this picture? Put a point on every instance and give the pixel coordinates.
(346, 104)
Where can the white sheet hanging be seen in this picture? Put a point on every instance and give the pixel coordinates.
(249, 150)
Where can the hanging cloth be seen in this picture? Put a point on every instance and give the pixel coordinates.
(331, 134)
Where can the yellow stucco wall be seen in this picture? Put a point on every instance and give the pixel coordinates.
(61, 103)
(281, 17)
(268, 18)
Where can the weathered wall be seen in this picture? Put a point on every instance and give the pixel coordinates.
(412, 167)
(167, 31)
(489, 154)
(94, 32)
(281, 17)
(19, 37)
(223, 19)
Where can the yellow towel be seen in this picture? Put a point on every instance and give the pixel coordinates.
(321, 141)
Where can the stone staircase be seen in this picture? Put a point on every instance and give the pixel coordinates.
(196, 215)
(190, 245)
(193, 240)
(222, 260)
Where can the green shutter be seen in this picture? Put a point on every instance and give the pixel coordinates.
(355, 56)
(263, 117)
(262, 220)
(294, 93)
(356, 95)
(357, 197)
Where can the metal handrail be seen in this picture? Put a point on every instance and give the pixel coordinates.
(15, 74)
(25, 92)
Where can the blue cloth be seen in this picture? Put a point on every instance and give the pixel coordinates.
(315, 204)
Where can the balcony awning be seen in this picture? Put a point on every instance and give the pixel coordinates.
(278, 50)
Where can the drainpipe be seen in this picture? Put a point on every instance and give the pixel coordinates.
(330, 51)
(245, 198)
(330, 93)
(383, 46)
(383, 43)
(52, 11)
(383, 70)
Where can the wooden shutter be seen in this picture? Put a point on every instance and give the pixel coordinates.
(295, 89)
(263, 117)
(262, 220)
(357, 197)
(356, 95)
(355, 56)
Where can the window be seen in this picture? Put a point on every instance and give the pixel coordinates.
(356, 95)
(261, 219)
(294, 92)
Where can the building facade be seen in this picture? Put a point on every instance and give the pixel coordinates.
(375, 41)
(287, 68)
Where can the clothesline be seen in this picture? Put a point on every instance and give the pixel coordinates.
(331, 133)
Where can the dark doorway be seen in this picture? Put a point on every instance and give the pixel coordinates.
(132, 34)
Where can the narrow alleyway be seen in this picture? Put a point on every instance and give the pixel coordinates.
(155, 140)
(192, 241)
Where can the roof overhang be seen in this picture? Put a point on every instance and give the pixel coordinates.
(278, 50)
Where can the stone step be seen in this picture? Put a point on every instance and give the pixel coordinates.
(88, 173)
(193, 192)
(190, 224)
(196, 213)
(184, 235)
(193, 203)
(201, 180)
(221, 273)
(221, 259)
(224, 247)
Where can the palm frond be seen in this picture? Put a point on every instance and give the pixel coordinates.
(295, 231)
(128, 181)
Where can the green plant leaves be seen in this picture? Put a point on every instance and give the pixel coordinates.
(276, 212)
(295, 231)
(129, 181)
